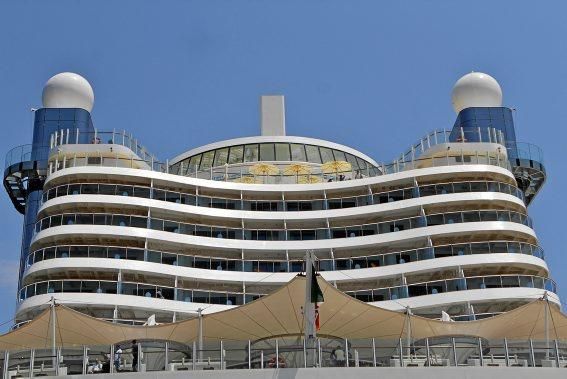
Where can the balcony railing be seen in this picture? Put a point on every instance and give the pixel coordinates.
(291, 352)
(460, 135)
(74, 136)
(282, 265)
(283, 205)
(136, 289)
(280, 234)
(240, 172)
(238, 298)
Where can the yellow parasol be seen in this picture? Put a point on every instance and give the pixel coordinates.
(247, 180)
(264, 169)
(297, 169)
(308, 179)
(336, 167)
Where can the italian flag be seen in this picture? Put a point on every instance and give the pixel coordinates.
(316, 296)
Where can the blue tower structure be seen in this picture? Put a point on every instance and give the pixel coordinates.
(477, 100)
(65, 97)
(474, 124)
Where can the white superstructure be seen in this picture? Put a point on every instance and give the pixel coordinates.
(120, 236)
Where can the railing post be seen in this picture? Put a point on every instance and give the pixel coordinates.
(194, 356)
(277, 355)
(304, 354)
(427, 352)
(480, 355)
(319, 355)
(32, 358)
(111, 359)
(401, 352)
(374, 352)
(532, 355)
(557, 354)
(166, 355)
(221, 355)
(346, 352)
(5, 365)
(85, 359)
(454, 351)
(506, 352)
(262, 359)
(249, 355)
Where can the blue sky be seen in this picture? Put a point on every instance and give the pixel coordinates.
(374, 75)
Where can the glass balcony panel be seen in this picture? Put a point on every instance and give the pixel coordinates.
(200, 297)
(478, 186)
(417, 290)
(381, 294)
(74, 189)
(488, 216)
(510, 281)
(343, 264)
(472, 216)
(154, 256)
(185, 295)
(365, 296)
(129, 289)
(41, 288)
(526, 281)
(538, 282)
(117, 252)
(358, 263)
(493, 282)
(453, 285)
(475, 283)
(72, 286)
(480, 248)
(143, 192)
(431, 190)
(135, 254)
(169, 259)
(376, 261)
(107, 189)
(185, 261)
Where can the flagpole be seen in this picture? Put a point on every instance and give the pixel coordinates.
(309, 331)
(308, 308)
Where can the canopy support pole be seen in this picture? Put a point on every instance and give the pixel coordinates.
(546, 325)
(309, 329)
(6, 365)
(53, 335)
(200, 315)
(408, 330)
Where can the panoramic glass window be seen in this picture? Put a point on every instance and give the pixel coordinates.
(282, 152)
(194, 162)
(298, 152)
(221, 157)
(267, 152)
(207, 160)
(235, 155)
(251, 153)
(313, 155)
(326, 154)
(339, 155)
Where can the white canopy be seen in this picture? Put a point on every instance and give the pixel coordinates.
(279, 314)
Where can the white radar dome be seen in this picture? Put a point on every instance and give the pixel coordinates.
(68, 90)
(476, 90)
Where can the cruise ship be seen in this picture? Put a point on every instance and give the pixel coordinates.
(441, 231)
